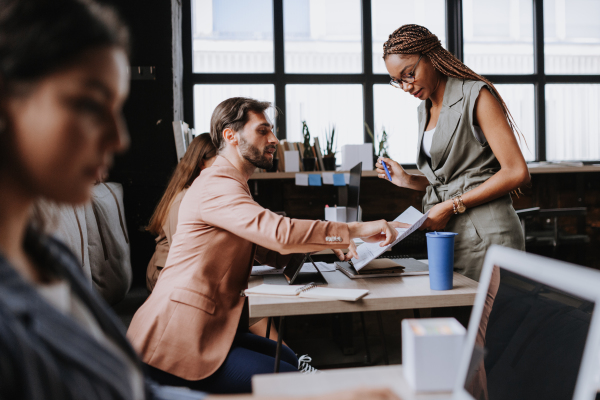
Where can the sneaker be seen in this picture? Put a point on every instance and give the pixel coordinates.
(305, 367)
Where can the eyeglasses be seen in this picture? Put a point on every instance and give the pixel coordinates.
(410, 78)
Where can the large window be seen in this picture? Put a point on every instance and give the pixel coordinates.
(320, 61)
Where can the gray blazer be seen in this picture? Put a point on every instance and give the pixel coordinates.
(45, 354)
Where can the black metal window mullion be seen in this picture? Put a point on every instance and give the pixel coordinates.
(187, 51)
(540, 82)
(367, 49)
(279, 67)
(454, 28)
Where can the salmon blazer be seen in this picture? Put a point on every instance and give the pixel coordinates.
(187, 325)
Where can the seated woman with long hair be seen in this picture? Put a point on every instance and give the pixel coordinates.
(200, 155)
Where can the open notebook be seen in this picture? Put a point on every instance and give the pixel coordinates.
(310, 291)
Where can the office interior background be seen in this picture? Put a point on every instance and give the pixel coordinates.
(321, 61)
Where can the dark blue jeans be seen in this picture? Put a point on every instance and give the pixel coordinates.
(249, 355)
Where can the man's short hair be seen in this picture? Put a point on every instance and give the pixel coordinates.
(233, 113)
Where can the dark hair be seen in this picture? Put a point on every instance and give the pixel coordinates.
(416, 39)
(233, 113)
(187, 170)
(38, 37)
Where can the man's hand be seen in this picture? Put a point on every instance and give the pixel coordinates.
(375, 231)
(349, 255)
(372, 232)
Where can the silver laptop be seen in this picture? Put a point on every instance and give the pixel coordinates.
(542, 337)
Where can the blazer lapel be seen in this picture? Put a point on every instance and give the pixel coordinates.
(447, 122)
(422, 122)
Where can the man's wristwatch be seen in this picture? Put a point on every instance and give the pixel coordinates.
(458, 206)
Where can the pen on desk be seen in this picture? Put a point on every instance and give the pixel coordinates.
(387, 171)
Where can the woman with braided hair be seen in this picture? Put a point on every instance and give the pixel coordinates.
(468, 155)
(468, 151)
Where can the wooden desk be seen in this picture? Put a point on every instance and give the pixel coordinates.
(293, 385)
(397, 293)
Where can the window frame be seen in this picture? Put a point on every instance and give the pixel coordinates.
(454, 36)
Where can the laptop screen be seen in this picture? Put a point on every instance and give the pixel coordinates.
(535, 339)
(353, 193)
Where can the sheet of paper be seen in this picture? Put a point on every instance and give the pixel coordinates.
(327, 178)
(292, 161)
(274, 290)
(323, 267)
(369, 251)
(266, 270)
(301, 179)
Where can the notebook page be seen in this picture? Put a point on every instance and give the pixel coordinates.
(334, 293)
(367, 252)
(274, 290)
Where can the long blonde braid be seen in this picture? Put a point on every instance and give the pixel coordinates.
(414, 39)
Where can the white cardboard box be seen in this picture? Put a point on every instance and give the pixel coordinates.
(292, 161)
(431, 351)
(352, 154)
(335, 214)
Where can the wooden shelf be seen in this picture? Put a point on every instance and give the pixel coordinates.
(547, 169)
(562, 169)
(292, 175)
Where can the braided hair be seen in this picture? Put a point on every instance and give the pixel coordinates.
(413, 39)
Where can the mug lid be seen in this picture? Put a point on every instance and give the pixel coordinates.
(440, 234)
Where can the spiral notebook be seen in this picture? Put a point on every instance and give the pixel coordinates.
(310, 291)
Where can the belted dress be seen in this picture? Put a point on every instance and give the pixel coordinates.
(460, 162)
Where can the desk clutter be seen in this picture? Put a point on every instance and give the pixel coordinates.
(310, 291)
(370, 251)
(259, 270)
(384, 267)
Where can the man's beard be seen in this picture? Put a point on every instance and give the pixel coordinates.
(254, 156)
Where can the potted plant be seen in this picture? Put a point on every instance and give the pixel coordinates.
(383, 145)
(329, 156)
(380, 145)
(309, 160)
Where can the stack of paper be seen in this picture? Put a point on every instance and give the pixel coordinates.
(369, 251)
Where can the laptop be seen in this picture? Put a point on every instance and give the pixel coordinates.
(292, 273)
(543, 338)
(352, 214)
(542, 335)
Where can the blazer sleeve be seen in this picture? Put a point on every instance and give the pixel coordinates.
(226, 203)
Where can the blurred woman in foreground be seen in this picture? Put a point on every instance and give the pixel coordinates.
(63, 82)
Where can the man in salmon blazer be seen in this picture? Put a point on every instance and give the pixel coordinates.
(190, 331)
